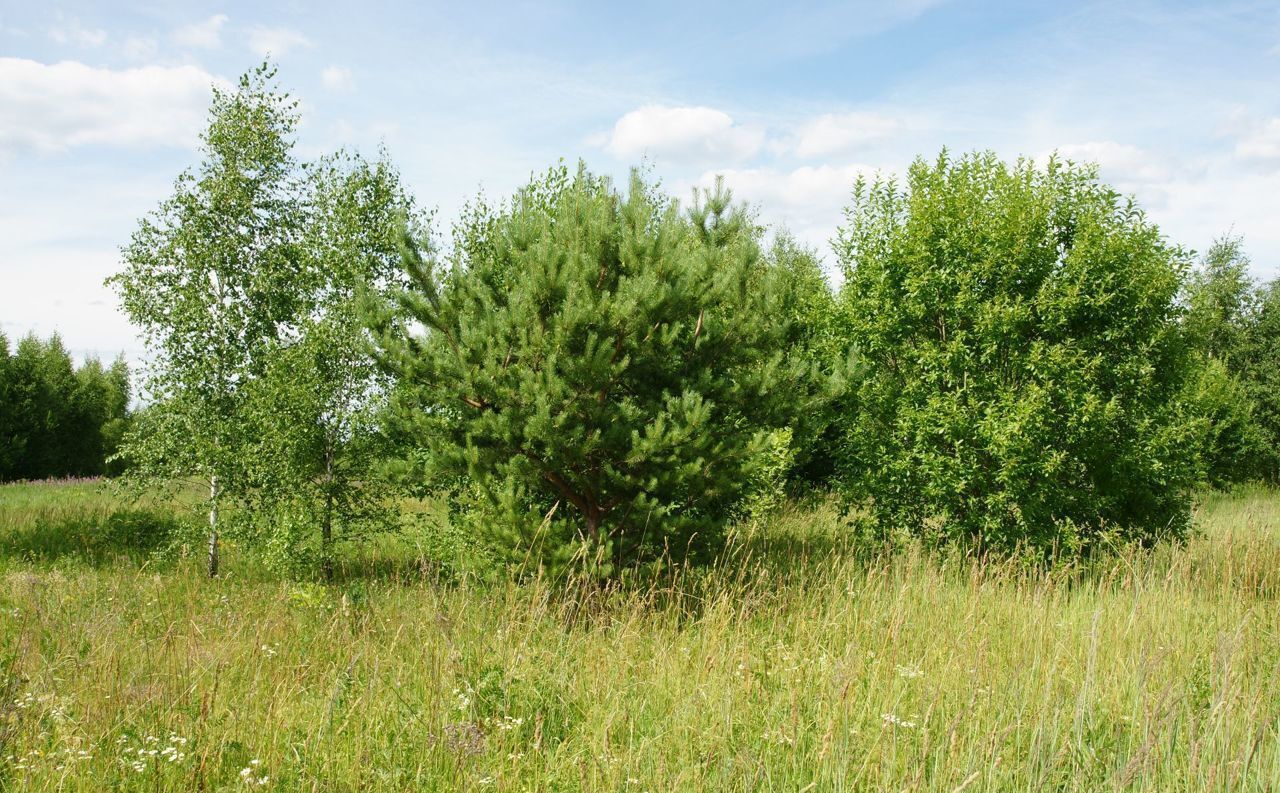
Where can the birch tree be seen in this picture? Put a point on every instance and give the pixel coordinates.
(213, 278)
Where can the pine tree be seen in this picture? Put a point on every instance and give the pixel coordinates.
(598, 372)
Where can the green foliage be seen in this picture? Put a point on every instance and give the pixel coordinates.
(1221, 302)
(1233, 324)
(767, 490)
(12, 436)
(315, 451)
(213, 278)
(599, 372)
(317, 446)
(1235, 446)
(43, 387)
(595, 377)
(57, 420)
(1260, 374)
(1026, 366)
(809, 306)
(1222, 321)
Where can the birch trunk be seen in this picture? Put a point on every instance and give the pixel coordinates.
(214, 492)
(326, 529)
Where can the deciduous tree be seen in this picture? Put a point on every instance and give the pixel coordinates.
(213, 278)
(318, 446)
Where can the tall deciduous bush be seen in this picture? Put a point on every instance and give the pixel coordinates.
(809, 307)
(1026, 365)
(317, 445)
(596, 372)
(1261, 376)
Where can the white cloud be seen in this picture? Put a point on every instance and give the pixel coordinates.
(337, 78)
(53, 107)
(682, 134)
(206, 35)
(70, 31)
(275, 41)
(843, 133)
(1260, 145)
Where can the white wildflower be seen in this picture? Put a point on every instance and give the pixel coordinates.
(891, 720)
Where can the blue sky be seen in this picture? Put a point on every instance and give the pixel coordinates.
(100, 105)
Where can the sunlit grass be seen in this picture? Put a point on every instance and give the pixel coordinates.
(793, 665)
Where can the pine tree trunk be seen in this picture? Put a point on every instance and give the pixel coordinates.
(214, 492)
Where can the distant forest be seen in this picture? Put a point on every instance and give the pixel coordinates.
(56, 419)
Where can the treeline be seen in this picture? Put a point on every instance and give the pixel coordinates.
(1016, 361)
(58, 420)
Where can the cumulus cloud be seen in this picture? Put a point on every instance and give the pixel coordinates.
(843, 133)
(275, 41)
(337, 78)
(682, 134)
(206, 35)
(1119, 162)
(53, 107)
(1130, 169)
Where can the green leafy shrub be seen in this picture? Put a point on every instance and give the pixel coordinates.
(767, 491)
(1224, 322)
(1235, 447)
(1026, 367)
(809, 308)
(1262, 376)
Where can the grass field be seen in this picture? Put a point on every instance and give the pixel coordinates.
(793, 665)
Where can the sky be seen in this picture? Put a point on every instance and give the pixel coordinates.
(101, 105)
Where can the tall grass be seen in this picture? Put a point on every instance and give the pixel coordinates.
(793, 665)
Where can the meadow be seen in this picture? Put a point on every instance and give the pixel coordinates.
(793, 664)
